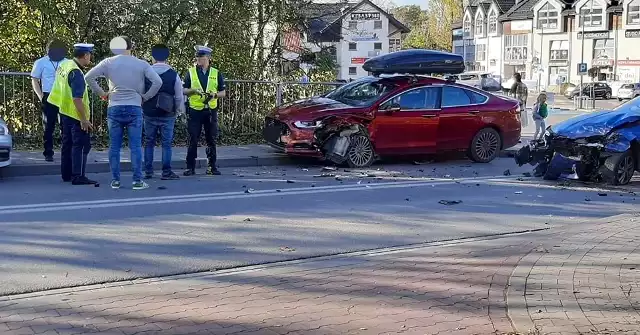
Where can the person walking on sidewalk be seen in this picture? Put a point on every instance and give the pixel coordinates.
(203, 85)
(70, 94)
(520, 91)
(160, 113)
(540, 112)
(126, 75)
(43, 75)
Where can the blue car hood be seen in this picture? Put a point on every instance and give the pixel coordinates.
(597, 123)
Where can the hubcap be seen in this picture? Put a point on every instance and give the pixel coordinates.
(486, 146)
(625, 170)
(361, 151)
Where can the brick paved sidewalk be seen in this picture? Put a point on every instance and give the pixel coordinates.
(581, 281)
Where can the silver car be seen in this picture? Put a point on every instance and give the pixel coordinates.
(6, 143)
(628, 91)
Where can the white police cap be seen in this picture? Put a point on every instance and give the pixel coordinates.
(87, 47)
(202, 50)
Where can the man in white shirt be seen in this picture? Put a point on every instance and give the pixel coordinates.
(43, 75)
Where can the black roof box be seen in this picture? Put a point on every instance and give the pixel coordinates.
(415, 61)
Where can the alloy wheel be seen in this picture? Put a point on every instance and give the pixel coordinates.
(361, 152)
(626, 169)
(487, 145)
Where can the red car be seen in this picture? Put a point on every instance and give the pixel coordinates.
(401, 115)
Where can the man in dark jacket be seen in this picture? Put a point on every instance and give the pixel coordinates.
(160, 113)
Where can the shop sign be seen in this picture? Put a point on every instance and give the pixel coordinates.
(365, 16)
(364, 35)
(358, 60)
(521, 26)
(629, 62)
(602, 62)
(595, 35)
(632, 33)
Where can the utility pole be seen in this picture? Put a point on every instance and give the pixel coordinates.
(581, 18)
(540, 58)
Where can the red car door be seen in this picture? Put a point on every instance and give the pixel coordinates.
(460, 117)
(408, 122)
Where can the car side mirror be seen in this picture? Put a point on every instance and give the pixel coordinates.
(391, 108)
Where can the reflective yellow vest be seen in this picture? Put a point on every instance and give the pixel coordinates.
(61, 95)
(196, 101)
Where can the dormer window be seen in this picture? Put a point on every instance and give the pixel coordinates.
(480, 25)
(592, 14)
(633, 12)
(467, 25)
(493, 21)
(548, 17)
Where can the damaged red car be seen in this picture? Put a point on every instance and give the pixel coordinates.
(397, 115)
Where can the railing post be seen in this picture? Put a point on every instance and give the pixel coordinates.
(278, 93)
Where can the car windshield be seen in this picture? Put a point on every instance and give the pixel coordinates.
(629, 86)
(361, 93)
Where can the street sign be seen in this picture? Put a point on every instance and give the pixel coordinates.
(582, 68)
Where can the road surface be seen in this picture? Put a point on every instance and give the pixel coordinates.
(58, 235)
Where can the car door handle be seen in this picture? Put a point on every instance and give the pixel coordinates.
(428, 115)
(474, 112)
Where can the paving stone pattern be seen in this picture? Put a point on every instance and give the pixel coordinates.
(583, 281)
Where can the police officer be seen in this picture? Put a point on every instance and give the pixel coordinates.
(70, 94)
(203, 85)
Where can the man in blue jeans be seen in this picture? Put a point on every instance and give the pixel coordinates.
(126, 75)
(160, 113)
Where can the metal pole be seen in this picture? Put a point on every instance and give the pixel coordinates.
(540, 59)
(580, 17)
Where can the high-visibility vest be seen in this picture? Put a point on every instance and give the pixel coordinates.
(196, 101)
(61, 94)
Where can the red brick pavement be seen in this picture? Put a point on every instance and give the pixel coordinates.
(544, 282)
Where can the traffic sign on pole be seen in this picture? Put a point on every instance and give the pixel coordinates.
(582, 68)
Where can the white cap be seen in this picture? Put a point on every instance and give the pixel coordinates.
(84, 47)
(203, 50)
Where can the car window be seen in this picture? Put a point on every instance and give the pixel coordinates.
(454, 96)
(361, 93)
(477, 98)
(420, 98)
(627, 86)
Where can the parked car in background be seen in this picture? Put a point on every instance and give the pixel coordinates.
(628, 91)
(592, 90)
(6, 143)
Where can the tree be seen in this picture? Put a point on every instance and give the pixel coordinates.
(430, 28)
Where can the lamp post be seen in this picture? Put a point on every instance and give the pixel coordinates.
(540, 58)
(581, 19)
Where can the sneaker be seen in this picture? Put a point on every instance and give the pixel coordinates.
(170, 176)
(189, 172)
(148, 175)
(213, 171)
(140, 185)
(83, 181)
(115, 184)
(48, 158)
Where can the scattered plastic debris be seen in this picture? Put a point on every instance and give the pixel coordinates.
(602, 194)
(247, 219)
(249, 190)
(517, 192)
(290, 181)
(162, 187)
(450, 202)
(527, 174)
(507, 172)
(329, 168)
(287, 249)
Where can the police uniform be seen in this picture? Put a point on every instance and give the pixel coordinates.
(76, 143)
(202, 111)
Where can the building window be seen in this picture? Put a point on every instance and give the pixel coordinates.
(592, 14)
(493, 22)
(353, 25)
(479, 25)
(481, 52)
(394, 44)
(458, 50)
(516, 47)
(467, 27)
(470, 53)
(377, 46)
(633, 12)
(559, 51)
(548, 17)
(353, 70)
(353, 46)
(604, 49)
(377, 24)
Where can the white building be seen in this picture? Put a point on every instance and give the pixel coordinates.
(543, 39)
(354, 32)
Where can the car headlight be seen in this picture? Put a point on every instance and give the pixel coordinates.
(4, 130)
(307, 124)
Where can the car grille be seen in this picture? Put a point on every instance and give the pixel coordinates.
(4, 155)
(273, 130)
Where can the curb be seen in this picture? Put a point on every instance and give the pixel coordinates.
(30, 170)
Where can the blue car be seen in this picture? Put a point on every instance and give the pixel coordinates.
(599, 146)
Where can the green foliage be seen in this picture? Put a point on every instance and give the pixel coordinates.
(430, 28)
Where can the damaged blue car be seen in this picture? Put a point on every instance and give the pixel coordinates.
(599, 146)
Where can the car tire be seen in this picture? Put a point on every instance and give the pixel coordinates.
(360, 153)
(584, 171)
(485, 146)
(619, 168)
(607, 95)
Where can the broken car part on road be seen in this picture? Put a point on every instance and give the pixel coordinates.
(596, 146)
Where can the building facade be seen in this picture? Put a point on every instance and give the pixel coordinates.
(354, 32)
(546, 40)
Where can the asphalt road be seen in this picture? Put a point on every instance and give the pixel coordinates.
(58, 235)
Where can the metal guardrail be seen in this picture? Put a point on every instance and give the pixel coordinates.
(241, 114)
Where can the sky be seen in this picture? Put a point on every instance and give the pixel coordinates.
(421, 3)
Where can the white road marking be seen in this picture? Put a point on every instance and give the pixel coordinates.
(128, 202)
